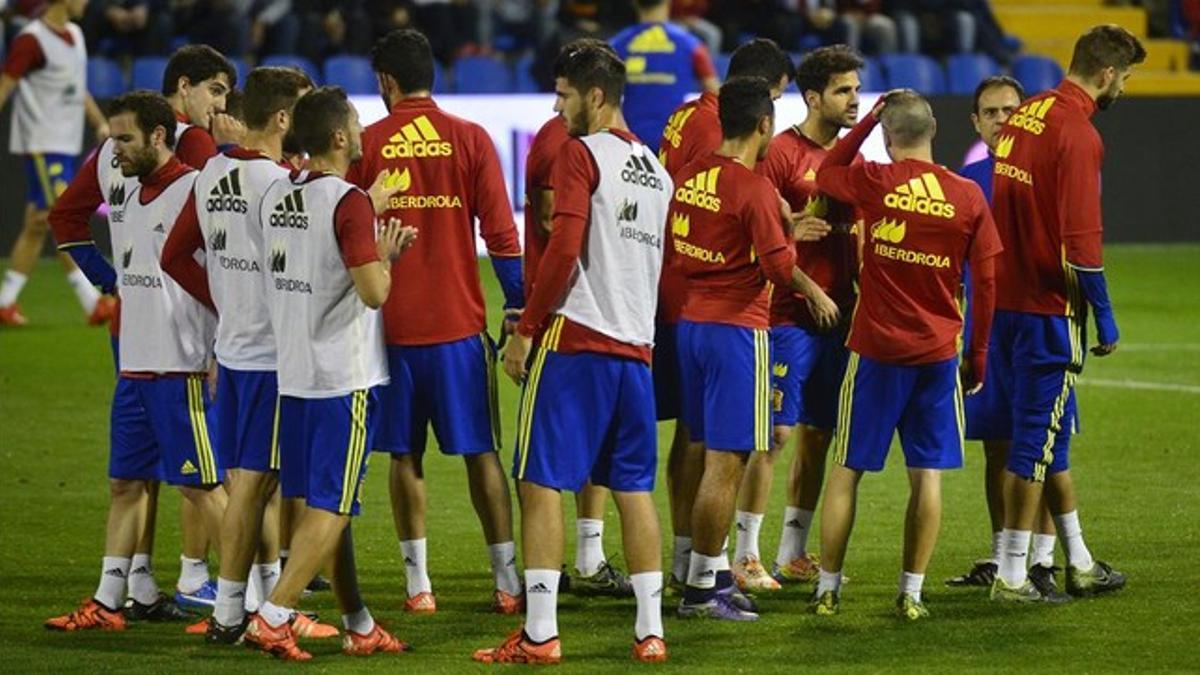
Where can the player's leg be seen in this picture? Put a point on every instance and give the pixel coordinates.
(593, 573)
(922, 521)
(685, 460)
(1086, 576)
(493, 506)
(748, 571)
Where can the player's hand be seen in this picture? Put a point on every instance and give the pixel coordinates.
(823, 309)
(226, 129)
(211, 379)
(379, 192)
(966, 374)
(1104, 350)
(394, 239)
(809, 228)
(508, 327)
(516, 354)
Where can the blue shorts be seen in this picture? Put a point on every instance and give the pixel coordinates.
(807, 371)
(332, 436)
(293, 453)
(725, 373)
(587, 416)
(48, 176)
(451, 386)
(164, 423)
(665, 370)
(247, 407)
(923, 403)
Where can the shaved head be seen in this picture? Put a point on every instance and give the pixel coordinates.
(908, 119)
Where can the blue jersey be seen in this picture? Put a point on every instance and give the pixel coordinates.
(981, 173)
(661, 66)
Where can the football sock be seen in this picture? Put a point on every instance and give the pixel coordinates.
(504, 567)
(647, 588)
(114, 573)
(1013, 564)
(416, 571)
(231, 602)
(793, 542)
(360, 622)
(541, 604)
(193, 572)
(911, 583)
(84, 291)
(681, 555)
(269, 574)
(1043, 550)
(1071, 535)
(997, 547)
(828, 581)
(14, 281)
(589, 546)
(142, 586)
(748, 525)
(274, 615)
(702, 577)
(723, 564)
(254, 595)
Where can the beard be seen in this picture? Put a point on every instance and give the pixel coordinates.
(141, 163)
(578, 124)
(1105, 100)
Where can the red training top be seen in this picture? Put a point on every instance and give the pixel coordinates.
(538, 167)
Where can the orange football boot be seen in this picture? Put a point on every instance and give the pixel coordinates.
(378, 640)
(505, 603)
(12, 316)
(421, 603)
(278, 642)
(91, 615)
(307, 627)
(516, 648)
(651, 650)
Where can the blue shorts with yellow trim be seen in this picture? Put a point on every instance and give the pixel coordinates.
(665, 370)
(164, 420)
(247, 411)
(923, 403)
(48, 176)
(725, 373)
(587, 416)
(451, 386)
(332, 435)
(293, 449)
(807, 370)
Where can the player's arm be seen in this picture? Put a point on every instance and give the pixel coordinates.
(496, 224)
(706, 72)
(178, 259)
(839, 176)
(195, 146)
(70, 221)
(95, 117)
(369, 261)
(24, 56)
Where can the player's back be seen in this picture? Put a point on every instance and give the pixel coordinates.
(692, 131)
(660, 68)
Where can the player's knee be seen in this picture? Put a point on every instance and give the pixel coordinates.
(127, 491)
(780, 436)
(36, 225)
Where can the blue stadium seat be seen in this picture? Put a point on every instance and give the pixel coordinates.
(523, 75)
(1036, 73)
(871, 76)
(481, 75)
(441, 82)
(105, 79)
(966, 71)
(352, 73)
(242, 69)
(914, 71)
(721, 62)
(295, 62)
(148, 73)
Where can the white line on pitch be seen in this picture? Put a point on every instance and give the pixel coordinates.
(1134, 384)
(1159, 347)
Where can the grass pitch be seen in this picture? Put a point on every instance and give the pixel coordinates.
(1135, 465)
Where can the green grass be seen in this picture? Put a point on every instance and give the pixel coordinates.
(1135, 465)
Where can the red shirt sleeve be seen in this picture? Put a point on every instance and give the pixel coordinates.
(71, 215)
(775, 256)
(843, 180)
(24, 56)
(195, 147)
(1080, 157)
(702, 63)
(354, 226)
(491, 199)
(985, 246)
(354, 174)
(178, 255)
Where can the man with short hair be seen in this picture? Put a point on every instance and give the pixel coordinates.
(903, 372)
(1047, 203)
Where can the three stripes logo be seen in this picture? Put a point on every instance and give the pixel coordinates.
(889, 230)
(127, 257)
(640, 171)
(628, 212)
(701, 190)
(1031, 116)
(417, 139)
(1004, 146)
(922, 195)
(673, 133)
(226, 195)
(290, 211)
(653, 40)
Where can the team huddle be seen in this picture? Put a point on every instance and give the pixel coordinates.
(759, 289)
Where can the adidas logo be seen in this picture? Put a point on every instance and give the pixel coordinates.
(237, 594)
(1031, 115)
(810, 175)
(416, 139)
(740, 527)
(593, 535)
(889, 230)
(1004, 146)
(188, 468)
(512, 562)
(217, 241)
(640, 171)
(290, 211)
(708, 573)
(628, 212)
(673, 133)
(114, 572)
(653, 40)
(140, 570)
(278, 259)
(657, 593)
(409, 562)
(226, 195)
(794, 523)
(126, 257)
(681, 224)
(922, 195)
(538, 588)
(160, 229)
(397, 180)
(116, 194)
(700, 190)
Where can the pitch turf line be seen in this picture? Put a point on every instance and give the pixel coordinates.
(1148, 386)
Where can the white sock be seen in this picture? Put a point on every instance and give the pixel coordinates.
(541, 604)
(748, 525)
(193, 572)
(114, 573)
(269, 574)
(142, 586)
(997, 546)
(1013, 563)
(1071, 535)
(416, 569)
(912, 583)
(84, 291)
(231, 602)
(275, 615)
(1043, 550)
(283, 555)
(681, 555)
(828, 581)
(723, 563)
(504, 568)
(702, 569)
(14, 281)
(589, 546)
(793, 542)
(360, 622)
(647, 588)
(254, 595)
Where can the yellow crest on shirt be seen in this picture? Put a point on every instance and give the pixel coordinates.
(397, 180)
(681, 224)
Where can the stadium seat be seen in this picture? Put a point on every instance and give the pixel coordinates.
(481, 75)
(914, 71)
(148, 73)
(1036, 73)
(966, 71)
(721, 61)
(871, 76)
(523, 75)
(242, 69)
(441, 83)
(295, 62)
(352, 73)
(105, 78)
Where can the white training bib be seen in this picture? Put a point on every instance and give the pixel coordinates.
(48, 108)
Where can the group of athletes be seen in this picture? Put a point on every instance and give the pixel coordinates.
(754, 287)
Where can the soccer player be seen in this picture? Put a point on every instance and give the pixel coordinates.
(729, 247)
(588, 406)
(903, 373)
(164, 360)
(47, 68)
(1047, 206)
(664, 63)
(440, 355)
(327, 276)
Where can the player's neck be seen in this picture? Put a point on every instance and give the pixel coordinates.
(397, 98)
(56, 16)
(1083, 84)
(923, 153)
(741, 150)
(176, 103)
(331, 163)
(268, 144)
(608, 117)
(163, 159)
(659, 14)
(819, 131)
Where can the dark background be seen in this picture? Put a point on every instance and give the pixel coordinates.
(1151, 170)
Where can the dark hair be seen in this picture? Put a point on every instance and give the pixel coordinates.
(565, 52)
(1104, 46)
(235, 105)
(197, 63)
(406, 56)
(996, 81)
(761, 57)
(821, 64)
(587, 67)
(150, 110)
(318, 114)
(742, 103)
(908, 118)
(269, 90)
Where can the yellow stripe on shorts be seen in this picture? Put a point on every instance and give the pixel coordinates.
(1056, 413)
(529, 394)
(274, 462)
(354, 449)
(762, 391)
(960, 416)
(200, 437)
(39, 165)
(841, 439)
